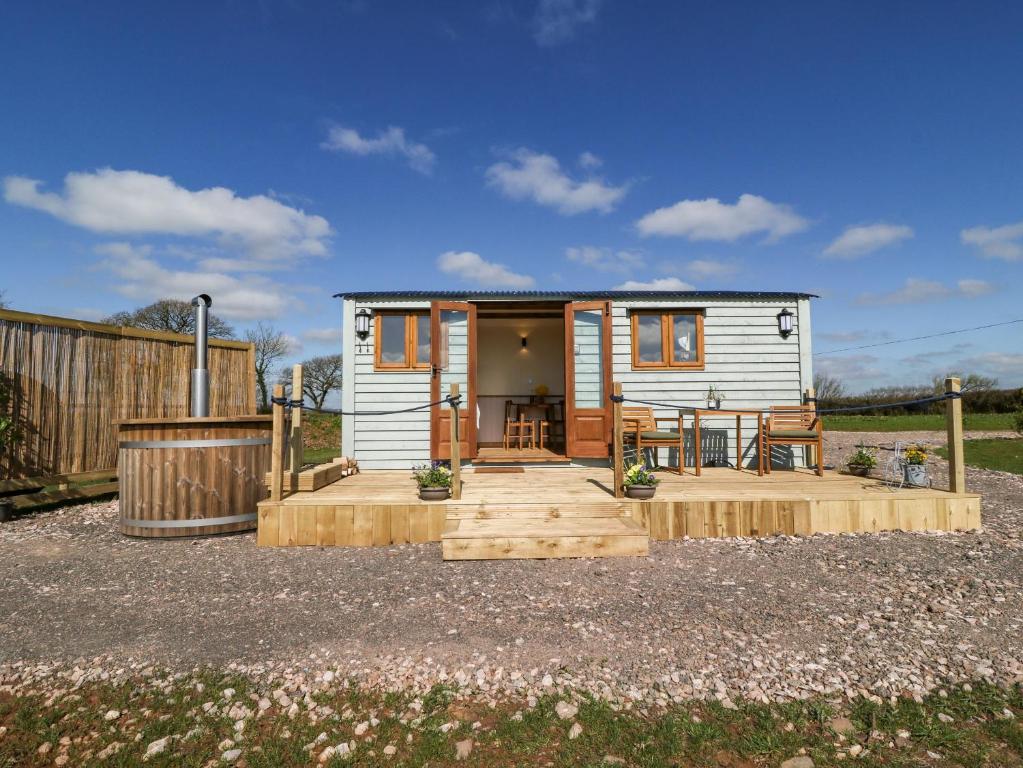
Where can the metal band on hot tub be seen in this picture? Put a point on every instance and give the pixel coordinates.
(200, 522)
(224, 442)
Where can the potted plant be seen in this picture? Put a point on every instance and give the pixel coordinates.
(861, 462)
(434, 481)
(640, 482)
(916, 465)
(714, 398)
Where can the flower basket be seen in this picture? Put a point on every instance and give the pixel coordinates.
(861, 462)
(434, 494)
(860, 470)
(916, 474)
(640, 482)
(434, 481)
(640, 491)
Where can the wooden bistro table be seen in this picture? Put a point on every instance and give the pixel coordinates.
(738, 435)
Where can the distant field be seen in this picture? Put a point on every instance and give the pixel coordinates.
(913, 422)
(1003, 455)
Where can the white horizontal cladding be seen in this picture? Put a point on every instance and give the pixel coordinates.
(745, 359)
(393, 440)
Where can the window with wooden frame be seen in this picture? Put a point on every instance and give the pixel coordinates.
(667, 338)
(402, 341)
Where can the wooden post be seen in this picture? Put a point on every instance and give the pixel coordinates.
(618, 448)
(811, 451)
(295, 449)
(456, 450)
(954, 425)
(277, 457)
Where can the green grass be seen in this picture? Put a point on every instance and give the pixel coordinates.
(1003, 455)
(841, 422)
(320, 455)
(698, 734)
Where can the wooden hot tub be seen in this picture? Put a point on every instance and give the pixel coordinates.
(192, 476)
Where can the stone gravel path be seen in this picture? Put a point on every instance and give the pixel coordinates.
(767, 619)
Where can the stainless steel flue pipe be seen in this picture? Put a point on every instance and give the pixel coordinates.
(201, 372)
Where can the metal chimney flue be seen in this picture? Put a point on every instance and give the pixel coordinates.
(201, 372)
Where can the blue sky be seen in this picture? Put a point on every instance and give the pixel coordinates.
(275, 153)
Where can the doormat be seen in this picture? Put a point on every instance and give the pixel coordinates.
(497, 470)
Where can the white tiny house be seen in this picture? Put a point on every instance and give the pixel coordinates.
(550, 358)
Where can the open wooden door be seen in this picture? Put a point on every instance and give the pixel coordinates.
(588, 411)
(453, 361)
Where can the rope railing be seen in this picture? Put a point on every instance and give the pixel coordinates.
(452, 401)
(756, 411)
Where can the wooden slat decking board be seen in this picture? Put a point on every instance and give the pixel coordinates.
(382, 508)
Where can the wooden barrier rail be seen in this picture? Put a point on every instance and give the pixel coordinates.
(31, 492)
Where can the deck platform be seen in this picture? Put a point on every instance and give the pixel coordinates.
(571, 512)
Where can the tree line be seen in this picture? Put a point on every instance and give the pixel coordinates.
(983, 395)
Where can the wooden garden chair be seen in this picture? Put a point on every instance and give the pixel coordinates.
(794, 425)
(516, 427)
(640, 427)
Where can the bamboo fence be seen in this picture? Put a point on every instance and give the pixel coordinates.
(69, 380)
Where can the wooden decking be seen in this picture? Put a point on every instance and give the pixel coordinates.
(571, 512)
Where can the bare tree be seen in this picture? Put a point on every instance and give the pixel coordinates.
(3, 301)
(972, 382)
(170, 315)
(827, 388)
(320, 377)
(271, 345)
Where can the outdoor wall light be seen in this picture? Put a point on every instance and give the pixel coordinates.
(785, 323)
(525, 343)
(362, 324)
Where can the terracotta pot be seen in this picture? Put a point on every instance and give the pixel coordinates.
(860, 470)
(434, 494)
(916, 474)
(640, 491)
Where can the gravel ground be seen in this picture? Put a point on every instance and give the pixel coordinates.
(769, 619)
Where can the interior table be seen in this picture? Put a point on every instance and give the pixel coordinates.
(537, 413)
(738, 435)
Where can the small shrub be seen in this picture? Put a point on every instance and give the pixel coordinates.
(864, 457)
(434, 475)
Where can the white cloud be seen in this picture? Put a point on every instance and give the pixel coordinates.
(536, 176)
(917, 291)
(658, 284)
(998, 242)
(974, 288)
(866, 238)
(847, 337)
(133, 202)
(701, 269)
(854, 371)
(323, 335)
(391, 141)
(588, 160)
(1004, 365)
(604, 259)
(144, 279)
(711, 219)
(556, 21)
(474, 269)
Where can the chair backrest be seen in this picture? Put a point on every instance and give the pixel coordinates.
(793, 416)
(511, 411)
(632, 414)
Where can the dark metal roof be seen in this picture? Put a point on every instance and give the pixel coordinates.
(572, 295)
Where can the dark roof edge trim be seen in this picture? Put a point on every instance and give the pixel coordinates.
(569, 295)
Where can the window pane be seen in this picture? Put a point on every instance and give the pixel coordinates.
(684, 345)
(648, 341)
(423, 339)
(588, 330)
(454, 351)
(392, 339)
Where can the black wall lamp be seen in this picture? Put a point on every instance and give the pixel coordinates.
(785, 323)
(525, 343)
(362, 324)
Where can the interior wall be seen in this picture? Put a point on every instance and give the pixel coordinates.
(506, 371)
(504, 367)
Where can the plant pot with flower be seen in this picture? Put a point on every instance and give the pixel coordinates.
(714, 398)
(916, 466)
(434, 481)
(640, 482)
(861, 462)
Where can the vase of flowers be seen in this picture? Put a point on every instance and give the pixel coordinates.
(434, 481)
(714, 398)
(541, 391)
(861, 462)
(640, 482)
(916, 466)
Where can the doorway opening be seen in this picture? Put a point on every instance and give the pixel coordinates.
(521, 383)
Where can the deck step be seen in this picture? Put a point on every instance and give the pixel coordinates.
(517, 537)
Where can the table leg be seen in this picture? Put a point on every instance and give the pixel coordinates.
(760, 444)
(738, 443)
(696, 439)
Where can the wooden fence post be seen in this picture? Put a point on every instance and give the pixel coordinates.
(456, 449)
(811, 451)
(295, 449)
(618, 448)
(954, 425)
(277, 458)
